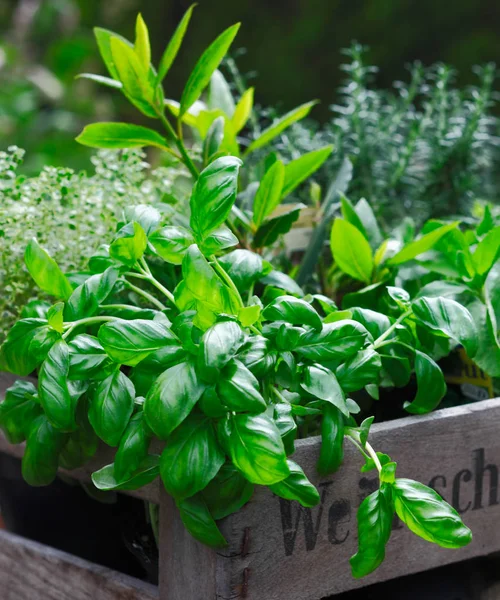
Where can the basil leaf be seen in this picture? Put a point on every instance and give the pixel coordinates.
(218, 346)
(18, 410)
(284, 421)
(424, 244)
(398, 369)
(426, 514)
(120, 135)
(351, 251)
(244, 268)
(87, 359)
(227, 492)
(375, 322)
(199, 522)
(360, 370)
(147, 216)
(296, 487)
(256, 449)
(269, 193)
(171, 399)
(146, 473)
(85, 300)
(27, 345)
(111, 407)
(191, 458)
(129, 342)
(275, 226)
(321, 383)
(129, 244)
(133, 448)
(55, 316)
(210, 404)
(213, 195)
(41, 456)
(45, 272)
(375, 516)
(431, 385)
(257, 356)
(81, 444)
(171, 243)
(239, 389)
(341, 339)
(294, 311)
(449, 319)
(332, 440)
(283, 282)
(173, 45)
(219, 240)
(298, 170)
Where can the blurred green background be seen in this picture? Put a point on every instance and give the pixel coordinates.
(293, 54)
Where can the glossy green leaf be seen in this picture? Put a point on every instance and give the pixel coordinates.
(85, 300)
(375, 322)
(120, 135)
(360, 370)
(45, 272)
(41, 456)
(341, 339)
(219, 94)
(146, 215)
(146, 473)
(375, 516)
(18, 410)
(285, 422)
(239, 390)
(174, 45)
(300, 169)
(129, 244)
(213, 140)
(219, 240)
(218, 346)
(487, 252)
(277, 225)
(294, 311)
(227, 492)
(349, 214)
(269, 193)
(55, 316)
(428, 515)
(256, 355)
(332, 440)
(431, 385)
(133, 448)
(171, 398)
(206, 65)
(171, 243)
(297, 487)
(103, 38)
(283, 282)
(243, 110)
(111, 407)
(82, 444)
(142, 46)
(369, 223)
(244, 267)
(351, 251)
(213, 195)
(280, 125)
(398, 368)
(107, 81)
(191, 458)
(87, 358)
(199, 522)
(425, 243)
(321, 383)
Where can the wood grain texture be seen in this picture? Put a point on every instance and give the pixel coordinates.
(32, 571)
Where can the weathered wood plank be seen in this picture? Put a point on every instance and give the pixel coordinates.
(32, 571)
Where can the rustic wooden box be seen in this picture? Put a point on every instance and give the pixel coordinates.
(281, 551)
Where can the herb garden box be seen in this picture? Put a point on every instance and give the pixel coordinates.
(278, 549)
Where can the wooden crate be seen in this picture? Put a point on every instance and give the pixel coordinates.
(281, 551)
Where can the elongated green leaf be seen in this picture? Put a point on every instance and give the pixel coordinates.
(431, 385)
(133, 448)
(375, 516)
(129, 342)
(243, 110)
(218, 346)
(206, 65)
(428, 515)
(277, 225)
(111, 407)
(244, 267)
(213, 195)
(256, 449)
(18, 410)
(107, 81)
(321, 383)
(281, 124)
(142, 46)
(199, 522)
(448, 318)
(191, 458)
(360, 370)
(296, 487)
(350, 215)
(146, 473)
(285, 422)
(120, 135)
(45, 272)
(294, 311)
(220, 96)
(332, 440)
(238, 389)
(85, 300)
(43, 445)
(55, 316)
(103, 38)
(227, 492)
(298, 170)
(171, 398)
(425, 243)
(269, 193)
(174, 45)
(487, 252)
(369, 222)
(213, 140)
(351, 251)
(341, 339)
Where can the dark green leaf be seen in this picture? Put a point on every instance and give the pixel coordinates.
(45, 272)
(81, 444)
(133, 448)
(283, 418)
(283, 282)
(18, 410)
(227, 492)
(199, 522)
(487, 252)
(360, 370)
(147, 472)
(41, 456)
(239, 389)
(431, 385)
(296, 487)
(377, 323)
(244, 268)
(87, 358)
(218, 346)
(332, 440)
(336, 340)
(321, 383)
(85, 300)
(292, 310)
(213, 140)
(275, 226)
(257, 356)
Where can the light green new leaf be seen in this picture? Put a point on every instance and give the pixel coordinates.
(269, 193)
(120, 135)
(296, 487)
(243, 110)
(103, 38)
(424, 244)
(321, 383)
(142, 46)
(351, 251)
(129, 244)
(487, 252)
(45, 272)
(55, 316)
(298, 170)
(174, 45)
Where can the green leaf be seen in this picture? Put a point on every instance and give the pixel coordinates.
(244, 267)
(129, 342)
(332, 440)
(85, 300)
(220, 96)
(269, 193)
(448, 318)
(243, 110)
(174, 45)
(147, 216)
(428, 515)
(27, 345)
(45, 272)
(206, 65)
(120, 135)
(133, 448)
(107, 81)
(279, 125)
(321, 383)
(377, 323)
(171, 243)
(275, 226)
(103, 38)
(397, 368)
(129, 244)
(239, 389)
(431, 385)
(227, 492)
(18, 410)
(41, 456)
(55, 316)
(213, 195)
(249, 315)
(487, 222)
(56, 399)
(199, 522)
(146, 473)
(341, 339)
(256, 355)
(282, 281)
(375, 516)
(142, 46)
(191, 458)
(351, 251)
(283, 418)
(218, 346)
(369, 223)
(219, 240)
(300, 169)
(292, 310)
(171, 398)
(256, 449)
(349, 214)
(111, 407)
(360, 370)
(87, 358)
(82, 444)
(425, 243)
(487, 252)
(213, 140)
(297, 487)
